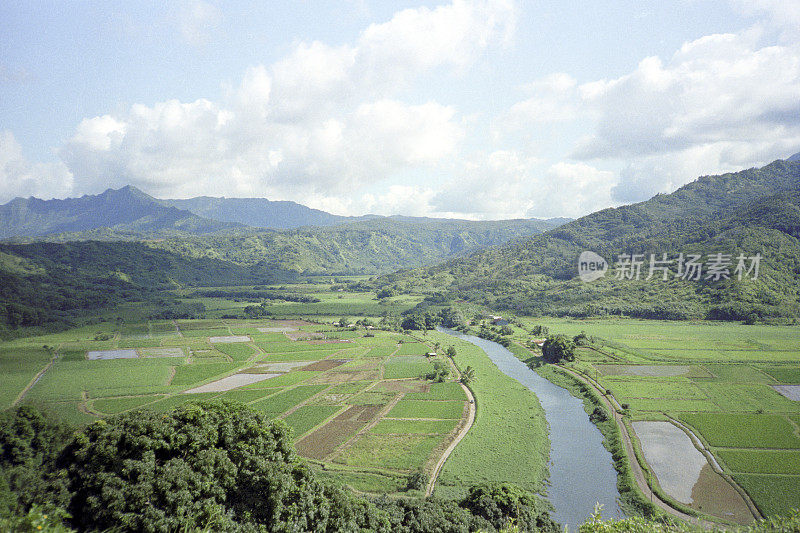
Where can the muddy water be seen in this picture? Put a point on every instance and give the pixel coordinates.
(685, 474)
(581, 469)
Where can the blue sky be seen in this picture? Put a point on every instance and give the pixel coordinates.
(478, 109)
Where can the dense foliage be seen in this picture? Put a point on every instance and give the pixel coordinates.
(216, 466)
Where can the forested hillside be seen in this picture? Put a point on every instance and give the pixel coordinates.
(369, 247)
(52, 284)
(755, 211)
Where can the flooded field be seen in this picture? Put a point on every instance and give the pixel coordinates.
(685, 474)
(111, 354)
(230, 382)
(229, 338)
(789, 391)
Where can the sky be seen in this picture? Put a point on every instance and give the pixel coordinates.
(485, 109)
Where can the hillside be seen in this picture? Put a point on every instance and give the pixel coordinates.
(123, 210)
(52, 284)
(373, 246)
(258, 212)
(748, 212)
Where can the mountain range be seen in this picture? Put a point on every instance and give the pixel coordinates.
(130, 213)
(755, 211)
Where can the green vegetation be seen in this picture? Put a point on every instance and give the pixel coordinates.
(426, 409)
(716, 378)
(210, 466)
(509, 421)
(749, 212)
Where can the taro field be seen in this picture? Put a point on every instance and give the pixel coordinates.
(735, 387)
(357, 401)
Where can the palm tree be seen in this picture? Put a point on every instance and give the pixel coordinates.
(468, 375)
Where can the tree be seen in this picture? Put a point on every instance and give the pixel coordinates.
(440, 372)
(558, 349)
(468, 375)
(451, 351)
(212, 464)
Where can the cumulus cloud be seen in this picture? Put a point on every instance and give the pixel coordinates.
(720, 103)
(507, 184)
(20, 176)
(322, 120)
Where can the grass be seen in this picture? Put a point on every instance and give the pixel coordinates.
(19, 366)
(761, 461)
(309, 416)
(67, 380)
(427, 409)
(744, 430)
(407, 367)
(284, 380)
(784, 374)
(773, 495)
(389, 451)
(509, 421)
(414, 426)
(283, 401)
(190, 374)
(413, 348)
(112, 406)
(238, 351)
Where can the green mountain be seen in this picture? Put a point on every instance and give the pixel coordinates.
(126, 210)
(373, 246)
(744, 213)
(258, 212)
(47, 284)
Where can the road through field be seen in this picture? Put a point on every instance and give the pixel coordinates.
(462, 432)
(638, 473)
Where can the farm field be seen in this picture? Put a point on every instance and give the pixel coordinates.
(357, 401)
(729, 384)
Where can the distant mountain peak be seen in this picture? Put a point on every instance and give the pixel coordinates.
(793, 158)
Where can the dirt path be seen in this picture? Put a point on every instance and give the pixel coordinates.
(37, 377)
(462, 432)
(638, 473)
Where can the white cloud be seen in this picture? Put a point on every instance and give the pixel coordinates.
(322, 120)
(507, 184)
(717, 89)
(19, 177)
(720, 103)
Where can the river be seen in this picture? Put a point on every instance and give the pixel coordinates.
(581, 469)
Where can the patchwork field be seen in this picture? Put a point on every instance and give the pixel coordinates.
(732, 385)
(357, 401)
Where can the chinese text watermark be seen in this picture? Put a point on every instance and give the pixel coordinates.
(691, 267)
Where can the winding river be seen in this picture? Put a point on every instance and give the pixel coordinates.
(581, 470)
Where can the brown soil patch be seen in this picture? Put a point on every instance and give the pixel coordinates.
(347, 377)
(712, 494)
(359, 412)
(325, 364)
(326, 439)
(403, 386)
(303, 335)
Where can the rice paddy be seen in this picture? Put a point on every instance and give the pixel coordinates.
(737, 387)
(341, 392)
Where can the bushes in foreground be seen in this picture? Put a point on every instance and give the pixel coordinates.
(216, 466)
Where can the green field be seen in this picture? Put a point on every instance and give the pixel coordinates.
(340, 403)
(509, 421)
(725, 395)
